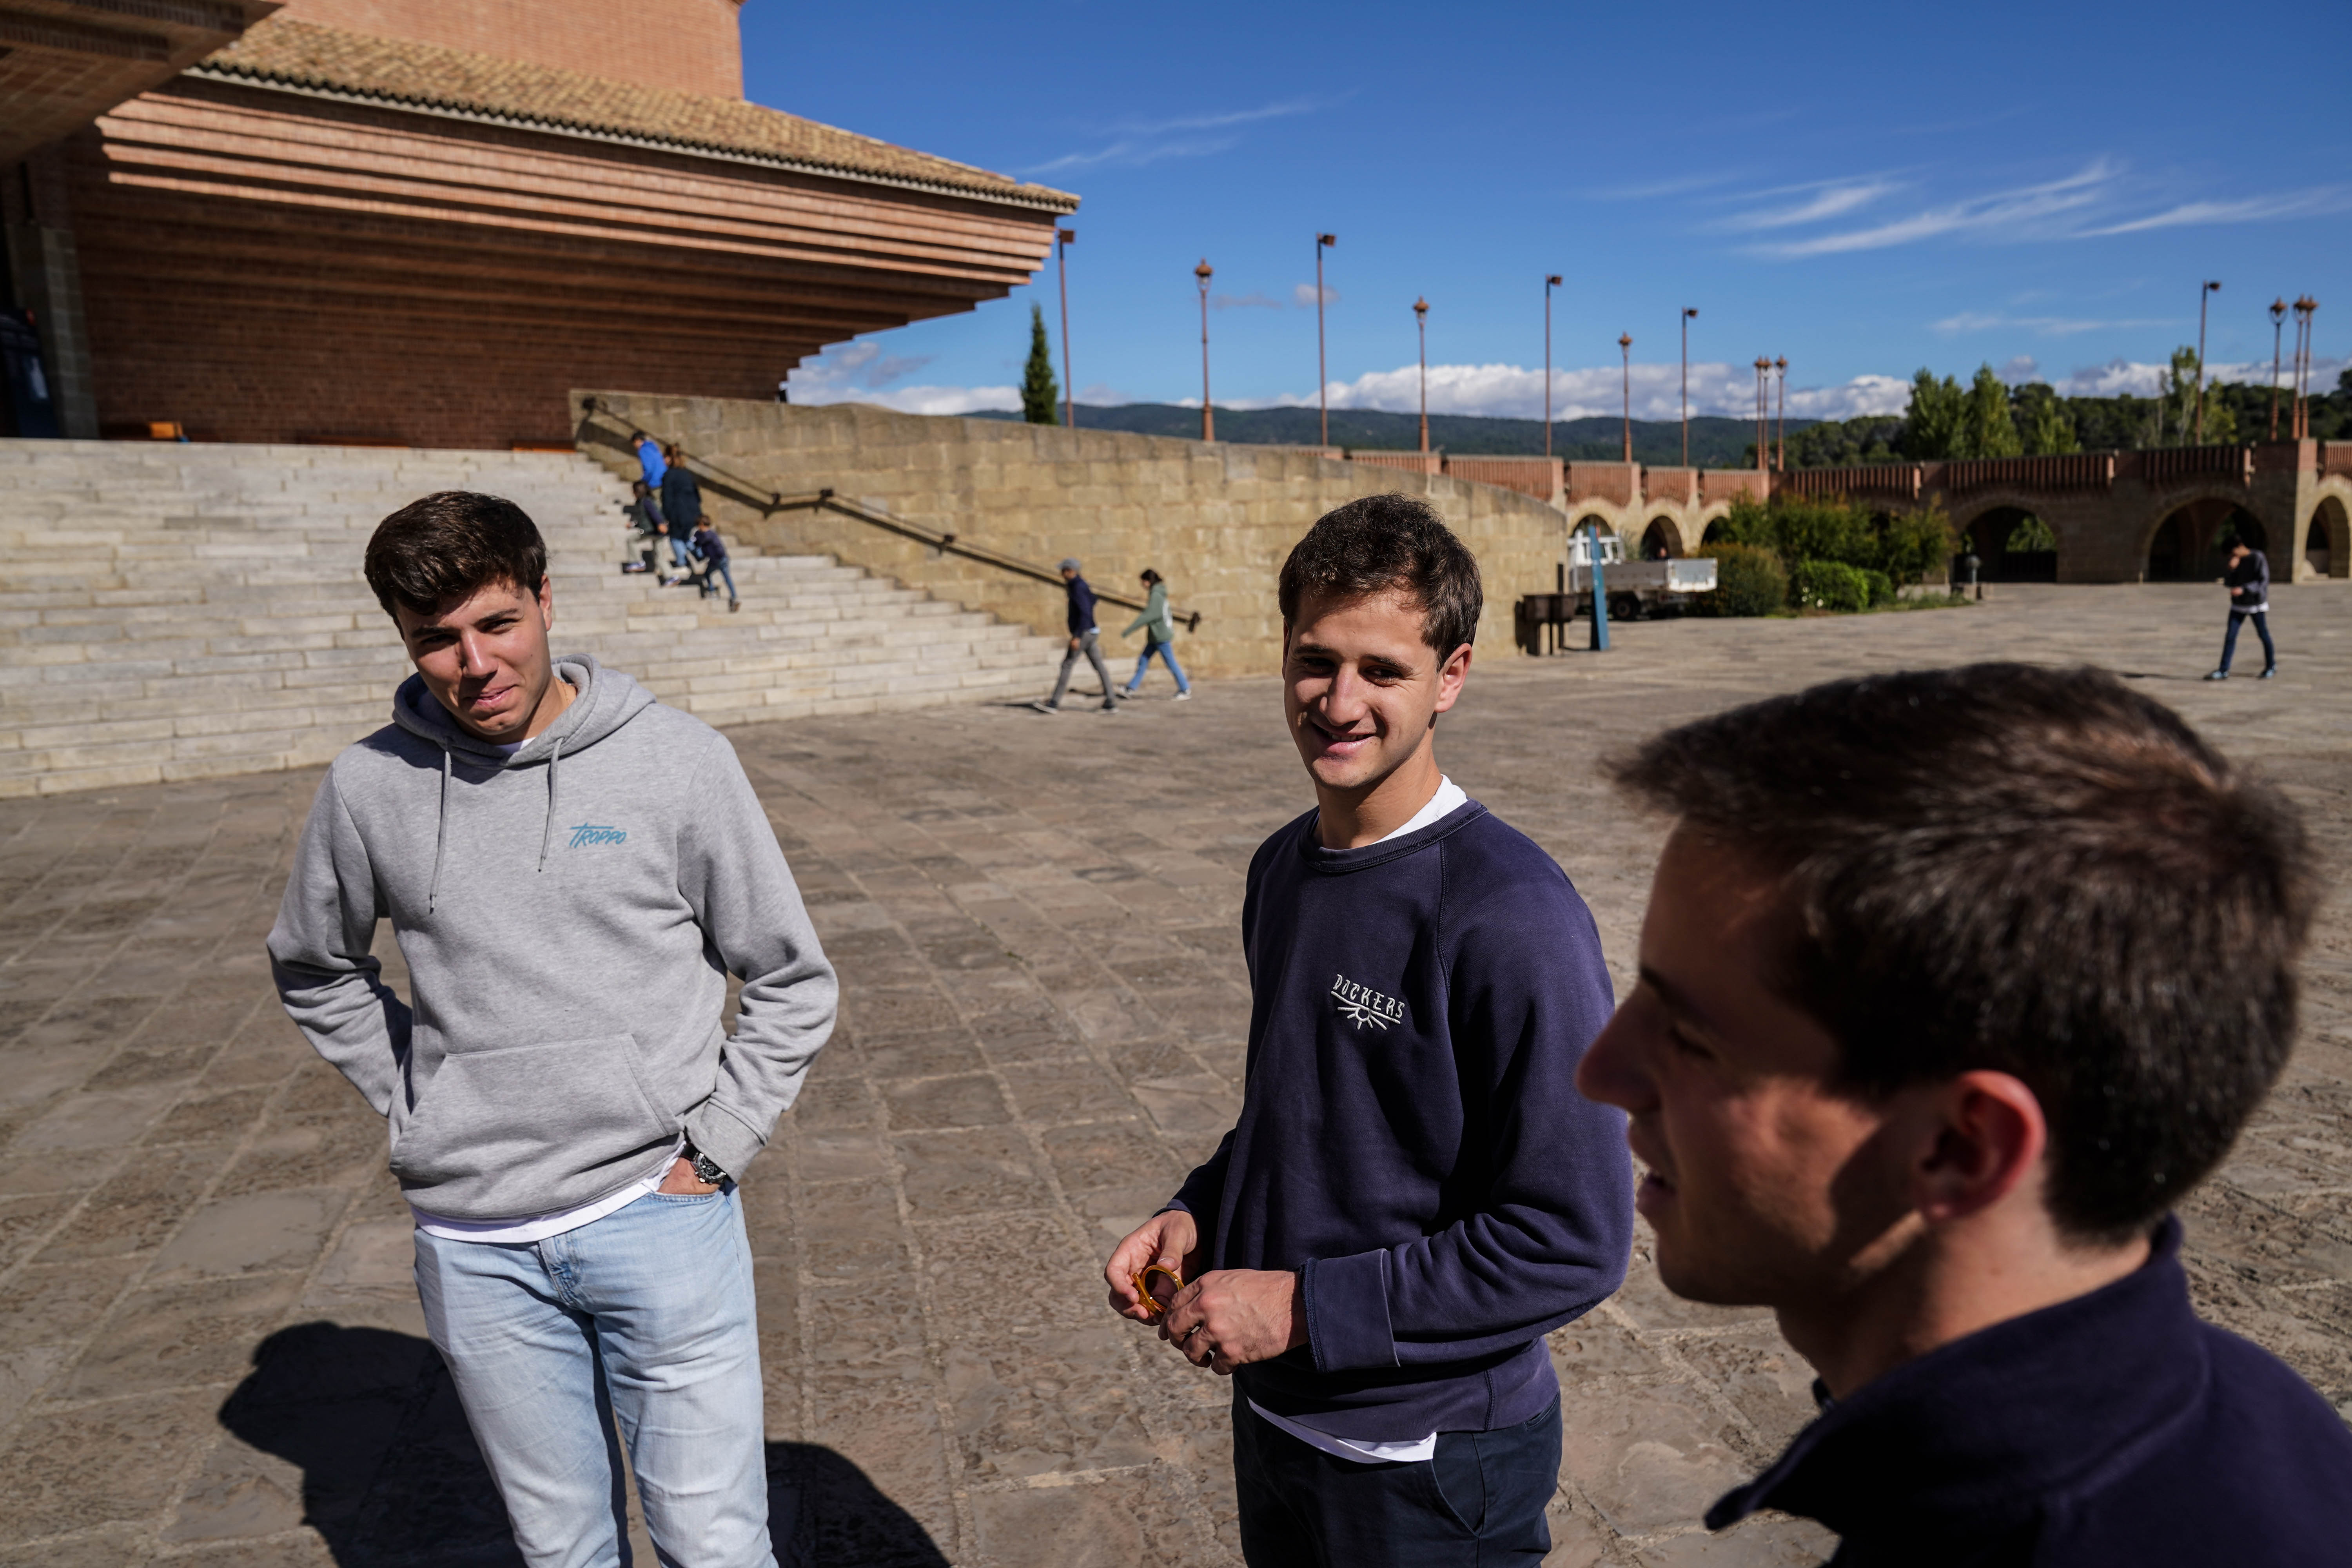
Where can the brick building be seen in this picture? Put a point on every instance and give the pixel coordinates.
(418, 223)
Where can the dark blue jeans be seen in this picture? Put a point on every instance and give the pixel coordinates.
(2262, 629)
(1479, 1502)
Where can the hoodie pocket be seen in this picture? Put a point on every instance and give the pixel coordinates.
(528, 1115)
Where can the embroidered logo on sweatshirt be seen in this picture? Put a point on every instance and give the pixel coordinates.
(594, 833)
(1360, 1004)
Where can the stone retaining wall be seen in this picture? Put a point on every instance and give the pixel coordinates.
(1215, 519)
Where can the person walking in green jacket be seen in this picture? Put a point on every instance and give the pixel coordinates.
(1158, 637)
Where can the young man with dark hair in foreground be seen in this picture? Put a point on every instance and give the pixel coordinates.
(1415, 1193)
(571, 870)
(1953, 984)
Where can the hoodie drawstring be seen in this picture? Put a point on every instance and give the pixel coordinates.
(441, 832)
(547, 834)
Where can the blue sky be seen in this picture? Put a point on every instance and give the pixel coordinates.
(1864, 190)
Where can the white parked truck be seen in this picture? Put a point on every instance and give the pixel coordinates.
(1635, 588)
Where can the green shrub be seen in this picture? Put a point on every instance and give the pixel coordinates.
(1906, 546)
(1748, 580)
(1882, 587)
(1829, 585)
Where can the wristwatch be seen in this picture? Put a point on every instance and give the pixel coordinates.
(705, 1169)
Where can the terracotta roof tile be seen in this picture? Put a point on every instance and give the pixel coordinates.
(297, 54)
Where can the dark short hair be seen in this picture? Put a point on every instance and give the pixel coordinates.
(2030, 870)
(447, 547)
(1379, 544)
(1151, 576)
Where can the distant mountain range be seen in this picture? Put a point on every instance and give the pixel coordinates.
(1714, 442)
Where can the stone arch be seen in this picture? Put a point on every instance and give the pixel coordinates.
(2328, 540)
(2189, 543)
(1662, 539)
(1592, 522)
(2013, 543)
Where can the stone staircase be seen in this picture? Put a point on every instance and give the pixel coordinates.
(172, 611)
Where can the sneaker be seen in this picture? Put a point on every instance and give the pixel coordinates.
(1045, 707)
(2268, 670)
(1127, 691)
(1110, 707)
(733, 605)
(1185, 695)
(2218, 675)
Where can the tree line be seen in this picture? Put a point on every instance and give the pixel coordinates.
(1988, 418)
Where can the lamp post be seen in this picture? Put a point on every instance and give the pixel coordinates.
(2197, 435)
(1208, 416)
(1626, 351)
(1687, 313)
(1062, 240)
(1763, 406)
(2278, 319)
(1323, 242)
(1420, 322)
(1551, 282)
(2304, 309)
(1781, 440)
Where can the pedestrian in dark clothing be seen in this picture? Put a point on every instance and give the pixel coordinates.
(713, 551)
(681, 495)
(2249, 582)
(1084, 640)
(643, 513)
(1416, 1194)
(1953, 983)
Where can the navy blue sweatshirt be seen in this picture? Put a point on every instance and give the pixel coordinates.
(2115, 1430)
(1082, 607)
(2249, 582)
(1411, 1138)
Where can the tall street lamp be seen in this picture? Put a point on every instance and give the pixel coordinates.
(1323, 242)
(1763, 405)
(1208, 417)
(1062, 240)
(1687, 314)
(1781, 441)
(1420, 322)
(1551, 282)
(1625, 350)
(2304, 309)
(2278, 319)
(2197, 436)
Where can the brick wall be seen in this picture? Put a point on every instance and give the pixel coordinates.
(686, 45)
(1215, 519)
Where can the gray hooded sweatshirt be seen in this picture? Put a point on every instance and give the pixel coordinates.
(568, 916)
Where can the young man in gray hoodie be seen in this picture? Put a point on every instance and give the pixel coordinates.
(571, 871)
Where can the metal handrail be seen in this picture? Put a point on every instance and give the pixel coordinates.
(746, 492)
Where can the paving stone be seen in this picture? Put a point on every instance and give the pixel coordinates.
(204, 1281)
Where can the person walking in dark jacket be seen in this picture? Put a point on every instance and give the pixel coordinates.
(2249, 582)
(1954, 985)
(713, 551)
(681, 495)
(1084, 640)
(1415, 1193)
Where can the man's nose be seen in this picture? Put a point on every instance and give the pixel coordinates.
(474, 655)
(1610, 1073)
(1344, 702)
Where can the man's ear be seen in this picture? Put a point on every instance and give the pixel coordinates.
(546, 597)
(1986, 1135)
(1450, 676)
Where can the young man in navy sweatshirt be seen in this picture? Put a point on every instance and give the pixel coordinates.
(1952, 983)
(1416, 1192)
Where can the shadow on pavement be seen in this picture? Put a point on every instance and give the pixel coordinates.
(391, 1478)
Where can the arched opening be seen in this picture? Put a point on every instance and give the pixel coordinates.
(2013, 546)
(1714, 534)
(1662, 541)
(2327, 540)
(2193, 543)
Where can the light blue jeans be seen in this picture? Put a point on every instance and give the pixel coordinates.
(648, 1314)
(1167, 652)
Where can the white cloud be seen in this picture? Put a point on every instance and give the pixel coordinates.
(921, 399)
(2119, 377)
(1831, 201)
(2025, 212)
(2047, 326)
(1510, 391)
(1138, 142)
(2248, 209)
(1254, 301)
(1303, 296)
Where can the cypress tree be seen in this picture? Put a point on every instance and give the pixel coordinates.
(1040, 396)
(1986, 428)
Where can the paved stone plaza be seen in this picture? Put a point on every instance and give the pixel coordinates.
(210, 1351)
